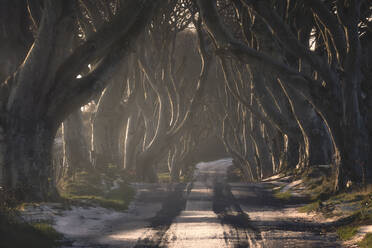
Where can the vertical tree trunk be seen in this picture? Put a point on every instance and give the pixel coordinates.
(127, 154)
(28, 159)
(145, 168)
(75, 148)
(350, 142)
(277, 148)
(262, 150)
(350, 159)
(175, 172)
(317, 147)
(175, 166)
(356, 143)
(320, 145)
(134, 131)
(2, 155)
(292, 154)
(107, 124)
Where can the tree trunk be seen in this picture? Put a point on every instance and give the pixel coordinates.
(75, 148)
(350, 141)
(28, 159)
(2, 155)
(128, 153)
(107, 124)
(262, 150)
(134, 130)
(145, 168)
(45, 89)
(320, 145)
(317, 147)
(356, 143)
(292, 154)
(277, 148)
(175, 172)
(350, 159)
(174, 165)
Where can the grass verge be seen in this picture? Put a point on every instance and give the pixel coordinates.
(346, 232)
(15, 233)
(24, 235)
(354, 207)
(107, 190)
(286, 195)
(311, 207)
(366, 242)
(164, 177)
(282, 195)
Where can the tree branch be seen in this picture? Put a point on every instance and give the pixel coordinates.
(332, 24)
(291, 43)
(72, 92)
(228, 46)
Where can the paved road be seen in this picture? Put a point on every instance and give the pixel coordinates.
(209, 212)
(199, 223)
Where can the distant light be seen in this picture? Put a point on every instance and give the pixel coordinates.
(312, 40)
(79, 76)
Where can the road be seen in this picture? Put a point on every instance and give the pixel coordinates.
(209, 212)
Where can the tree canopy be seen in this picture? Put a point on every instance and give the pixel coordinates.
(283, 85)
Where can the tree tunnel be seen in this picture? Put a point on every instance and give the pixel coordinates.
(281, 85)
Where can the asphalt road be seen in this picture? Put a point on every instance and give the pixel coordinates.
(209, 212)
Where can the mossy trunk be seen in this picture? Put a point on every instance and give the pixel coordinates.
(28, 167)
(75, 148)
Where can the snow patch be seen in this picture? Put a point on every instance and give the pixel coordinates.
(219, 163)
(116, 184)
(40, 213)
(80, 222)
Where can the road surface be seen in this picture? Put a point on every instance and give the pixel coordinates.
(208, 212)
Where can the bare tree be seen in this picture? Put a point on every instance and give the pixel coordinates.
(335, 68)
(45, 89)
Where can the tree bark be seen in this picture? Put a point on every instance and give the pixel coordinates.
(75, 147)
(128, 153)
(107, 125)
(44, 89)
(2, 156)
(28, 168)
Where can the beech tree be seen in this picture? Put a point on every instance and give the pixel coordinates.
(329, 77)
(44, 89)
(289, 87)
(75, 148)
